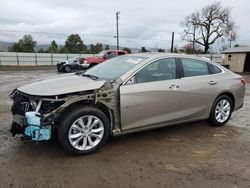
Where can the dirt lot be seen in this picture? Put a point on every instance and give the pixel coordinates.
(187, 155)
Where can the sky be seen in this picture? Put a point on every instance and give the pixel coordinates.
(141, 23)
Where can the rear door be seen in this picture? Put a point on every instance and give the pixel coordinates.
(198, 87)
(153, 97)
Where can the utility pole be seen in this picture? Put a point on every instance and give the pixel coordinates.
(117, 30)
(172, 43)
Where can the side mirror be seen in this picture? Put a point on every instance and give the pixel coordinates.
(131, 81)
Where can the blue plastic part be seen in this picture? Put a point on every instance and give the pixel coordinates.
(34, 128)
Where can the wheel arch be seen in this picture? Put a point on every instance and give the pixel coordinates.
(105, 109)
(230, 95)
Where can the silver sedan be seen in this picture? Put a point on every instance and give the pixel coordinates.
(126, 94)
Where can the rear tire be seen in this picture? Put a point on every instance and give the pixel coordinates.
(83, 131)
(221, 111)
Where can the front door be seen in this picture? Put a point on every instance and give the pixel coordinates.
(153, 98)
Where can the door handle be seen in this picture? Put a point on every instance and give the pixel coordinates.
(212, 82)
(174, 87)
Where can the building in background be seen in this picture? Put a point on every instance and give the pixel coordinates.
(238, 59)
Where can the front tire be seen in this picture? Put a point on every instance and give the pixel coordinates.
(83, 131)
(67, 68)
(221, 111)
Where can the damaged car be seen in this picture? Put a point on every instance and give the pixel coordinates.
(126, 94)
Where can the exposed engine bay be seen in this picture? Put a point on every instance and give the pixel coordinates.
(37, 116)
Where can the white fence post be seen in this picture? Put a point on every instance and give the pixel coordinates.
(36, 59)
(51, 56)
(17, 59)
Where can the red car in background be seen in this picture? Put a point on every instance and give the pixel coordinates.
(87, 62)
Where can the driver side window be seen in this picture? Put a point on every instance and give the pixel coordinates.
(163, 69)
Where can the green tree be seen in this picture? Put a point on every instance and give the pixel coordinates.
(98, 48)
(143, 49)
(161, 50)
(94, 49)
(15, 48)
(63, 50)
(26, 44)
(53, 47)
(107, 47)
(41, 50)
(74, 44)
(91, 49)
(127, 49)
(175, 50)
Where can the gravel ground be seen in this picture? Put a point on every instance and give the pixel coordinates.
(186, 155)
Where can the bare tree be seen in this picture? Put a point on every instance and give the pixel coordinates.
(208, 25)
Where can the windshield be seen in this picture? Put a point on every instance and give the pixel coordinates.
(101, 54)
(115, 67)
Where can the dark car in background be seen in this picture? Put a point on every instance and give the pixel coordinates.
(81, 63)
(71, 64)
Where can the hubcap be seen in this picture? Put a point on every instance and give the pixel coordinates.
(68, 69)
(222, 110)
(86, 132)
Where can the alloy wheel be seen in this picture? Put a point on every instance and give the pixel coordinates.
(222, 110)
(86, 132)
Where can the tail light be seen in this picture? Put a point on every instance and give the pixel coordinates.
(243, 81)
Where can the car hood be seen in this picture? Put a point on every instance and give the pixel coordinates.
(62, 84)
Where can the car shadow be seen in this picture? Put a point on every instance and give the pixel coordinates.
(187, 131)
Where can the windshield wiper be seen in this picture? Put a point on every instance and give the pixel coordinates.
(91, 76)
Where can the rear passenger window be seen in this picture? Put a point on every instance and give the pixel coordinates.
(193, 67)
(214, 69)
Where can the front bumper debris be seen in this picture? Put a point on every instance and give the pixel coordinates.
(34, 129)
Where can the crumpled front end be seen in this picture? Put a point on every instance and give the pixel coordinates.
(31, 115)
(36, 117)
(60, 66)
